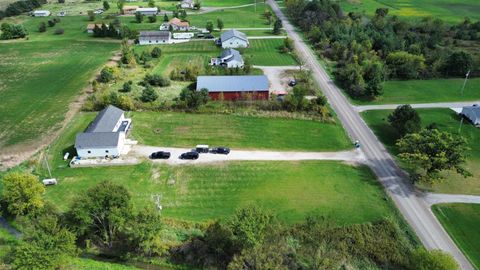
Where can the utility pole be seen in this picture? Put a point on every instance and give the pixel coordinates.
(461, 123)
(465, 82)
(48, 166)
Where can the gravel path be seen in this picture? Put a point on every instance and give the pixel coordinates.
(143, 151)
(436, 198)
(416, 106)
(274, 74)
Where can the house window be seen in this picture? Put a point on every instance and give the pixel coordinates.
(89, 151)
(106, 151)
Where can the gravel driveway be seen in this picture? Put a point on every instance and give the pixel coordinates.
(142, 151)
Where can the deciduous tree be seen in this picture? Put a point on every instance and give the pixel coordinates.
(22, 193)
(405, 120)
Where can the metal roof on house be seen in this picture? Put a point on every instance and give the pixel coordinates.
(106, 120)
(233, 83)
(232, 54)
(96, 139)
(155, 34)
(233, 33)
(473, 112)
(140, 9)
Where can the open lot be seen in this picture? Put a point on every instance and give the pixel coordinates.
(245, 132)
(427, 91)
(461, 222)
(39, 80)
(445, 119)
(448, 10)
(249, 16)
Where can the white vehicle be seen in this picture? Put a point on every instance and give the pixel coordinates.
(202, 148)
(49, 181)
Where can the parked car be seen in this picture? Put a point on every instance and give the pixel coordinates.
(160, 155)
(189, 155)
(201, 148)
(220, 150)
(209, 36)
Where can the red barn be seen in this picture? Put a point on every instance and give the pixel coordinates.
(233, 88)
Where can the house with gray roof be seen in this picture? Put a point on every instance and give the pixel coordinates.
(243, 87)
(229, 58)
(154, 37)
(105, 136)
(472, 113)
(233, 39)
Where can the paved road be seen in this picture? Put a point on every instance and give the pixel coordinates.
(143, 151)
(409, 201)
(416, 105)
(436, 198)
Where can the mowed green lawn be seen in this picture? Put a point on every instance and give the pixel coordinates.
(446, 120)
(246, 132)
(248, 17)
(38, 82)
(427, 91)
(228, 3)
(462, 222)
(448, 10)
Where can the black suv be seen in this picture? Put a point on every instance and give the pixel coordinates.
(189, 155)
(220, 150)
(160, 155)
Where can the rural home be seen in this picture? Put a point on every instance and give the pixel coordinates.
(41, 13)
(177, 25)
(233, 39)
(154, 37)
(187, 4)
(105, 136)
(245, 87)
(147, 11)
(472, 113)
(129, 10)
(91, 26)
(229, 58)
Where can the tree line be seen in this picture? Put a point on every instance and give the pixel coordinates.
(19, 7)
(369, 50)
(103, 220)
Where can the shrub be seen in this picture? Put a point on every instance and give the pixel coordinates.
(156, 52)
(127, 87)
(157, 80)
(106, 75)
(148, 94)
(61, 1)
(42, 27)
(59, 31)
(51, 23)
(152, 19)
(12, 31)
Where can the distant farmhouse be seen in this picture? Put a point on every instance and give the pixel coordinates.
(154, 37)
(472, 113)
(105, 136)
(91, 26)
(233, 39)
(230, 58)
(176, 24)
(147, 11)
(129, 10)
(187, 4)
(41, 13)
(235, 87)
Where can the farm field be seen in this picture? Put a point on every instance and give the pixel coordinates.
(181, 129)
(39, 80)
(461, 222)
(445, 119)
(427, 91)
(448, 10)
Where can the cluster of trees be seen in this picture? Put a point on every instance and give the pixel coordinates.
(429, 150)
(369, 50)
(42, 26)
(19, 7)
(114, 29)
(12, 31)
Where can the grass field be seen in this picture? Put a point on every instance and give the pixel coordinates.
(179, 129)
(250, 17)
(228, 3)
(39, 80)
(445, 119)
(427, 91)
(87, 264)
(462, 222)
(448, 10)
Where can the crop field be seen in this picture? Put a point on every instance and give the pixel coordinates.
(185, 130)
(448, 10)
(427, 91)
(39, 80)
(447, 120)
(461, 222)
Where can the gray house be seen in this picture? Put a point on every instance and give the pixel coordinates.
(233, 39)
(105, 136)
(230, 58)
(472, 113)
(154, 37)
(242, 87)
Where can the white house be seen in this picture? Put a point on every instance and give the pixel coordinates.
(472, 113)
(154, 37)
(187, 4)
(41, 13)
(147, 11)
(233, 39)
(230, 58)
(105, 136)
